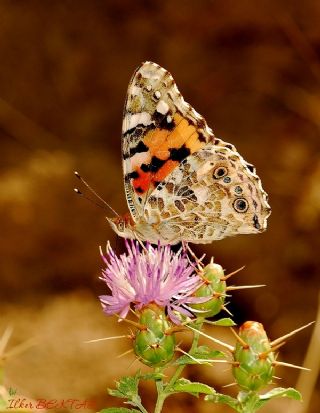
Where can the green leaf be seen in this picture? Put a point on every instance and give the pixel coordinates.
(202, 355)
(119, 410)
(251, 401)
(223, 322)
(279, 392)
(194, 388)
(207, 352)
(127, 388)
(224, 399)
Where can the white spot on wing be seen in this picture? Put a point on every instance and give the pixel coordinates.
(139, 158)
(157, 94)
(135, 90)
(143, 118)
(162, 107)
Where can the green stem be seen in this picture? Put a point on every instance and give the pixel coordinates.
(139, 405)
(164, 389)
(249, 402)
(179, 370)
(248, 409)
(161, 396)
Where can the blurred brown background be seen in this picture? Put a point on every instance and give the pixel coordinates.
(252, 68)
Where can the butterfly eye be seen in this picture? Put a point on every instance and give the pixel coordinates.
(121, 226)
(241, 205)
(220, 172)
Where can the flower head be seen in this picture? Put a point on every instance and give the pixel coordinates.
(153, 275)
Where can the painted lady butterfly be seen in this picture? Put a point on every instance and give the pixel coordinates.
(181, 182)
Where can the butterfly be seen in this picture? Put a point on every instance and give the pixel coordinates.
(181, 182)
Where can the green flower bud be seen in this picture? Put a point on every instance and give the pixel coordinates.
(213, 287)
(253, 357)
(152, 344)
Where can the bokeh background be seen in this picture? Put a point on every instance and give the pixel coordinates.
(252, 68)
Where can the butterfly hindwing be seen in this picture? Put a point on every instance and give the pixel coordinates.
(211, 195)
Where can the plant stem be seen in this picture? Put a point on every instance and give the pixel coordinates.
(161, 396)
(140, 406)
(164, 390)
(248, 402)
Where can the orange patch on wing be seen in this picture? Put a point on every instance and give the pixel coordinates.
(142, 183)
(155, 141)
(165, 170)
(159, 141)
(193, 143)
(185, 134)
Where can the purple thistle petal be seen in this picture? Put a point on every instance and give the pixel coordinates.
(153, 275)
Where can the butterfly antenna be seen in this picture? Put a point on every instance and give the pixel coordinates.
(77, 191)
(94, 193)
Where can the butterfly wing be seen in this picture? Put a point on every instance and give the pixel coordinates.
(214, 193)
(159, 131)
(181, 182)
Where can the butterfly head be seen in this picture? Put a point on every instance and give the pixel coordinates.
(123, 225)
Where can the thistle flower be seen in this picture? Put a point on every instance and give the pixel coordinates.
(154, 275)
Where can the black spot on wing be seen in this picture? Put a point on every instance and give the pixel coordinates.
(141, 147)
(161, 121)
(156, 164)
(201, 137)
(256, 223)
(136, 132)
(145, 168)
(179, 154)
(164, 124)
(132, 175)
(139, 190)
(153, 166)
(251, 168)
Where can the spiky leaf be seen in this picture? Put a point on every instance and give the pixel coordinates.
(224, 399)
(200, 356)
(223, 322)
(127, 388)
(290, 392)
(194, 388)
